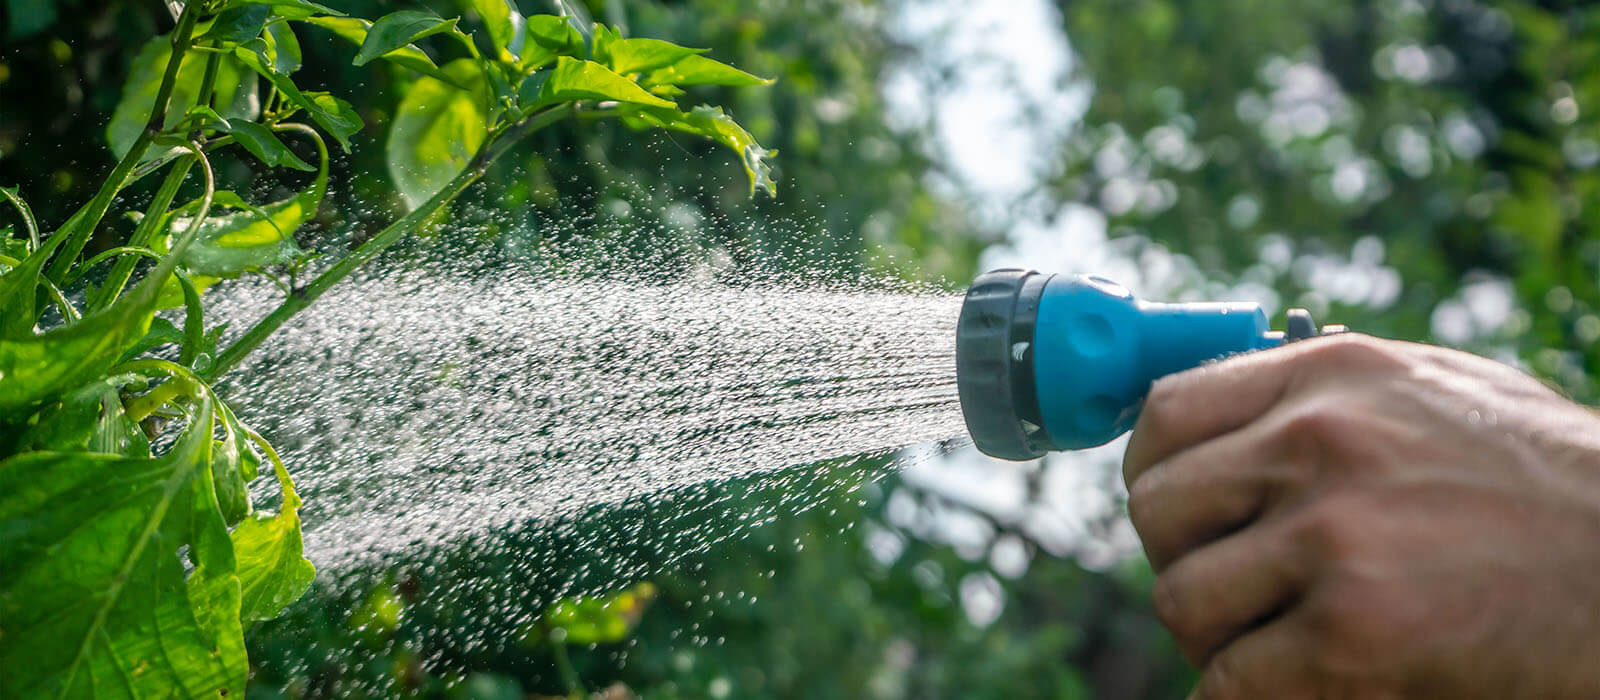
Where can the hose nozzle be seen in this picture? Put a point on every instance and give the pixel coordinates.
(1057, 362)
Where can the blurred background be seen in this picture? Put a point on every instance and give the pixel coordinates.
(1418, 169)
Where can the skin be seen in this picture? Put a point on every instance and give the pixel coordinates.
(1350, 517)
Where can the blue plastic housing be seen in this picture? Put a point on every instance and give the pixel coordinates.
(1097, 349)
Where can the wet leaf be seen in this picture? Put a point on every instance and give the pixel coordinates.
(436, 131)
(172, 293)
(713, 124)
(94, 599)
(575, 79)
(294, 9)
(232, 244)
(397, 30)
(577, 16)
(549, 36)
(88, 419)
(17, 293)
(264, 145)
(238, 24)
(505, 24)
(283, 47)
(14, 196)
(334, 115)
(230, 472)
(354, 30)
(36, 367)
(699, 70)
(161, 332)
(273, 570)
(626, 56)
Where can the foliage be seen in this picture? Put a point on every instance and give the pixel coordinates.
(135, 557)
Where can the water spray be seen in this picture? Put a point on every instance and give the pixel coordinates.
(1060, 362)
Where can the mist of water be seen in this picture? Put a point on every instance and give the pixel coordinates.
(420, 409)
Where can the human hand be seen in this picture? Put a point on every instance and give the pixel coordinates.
(1350, 517)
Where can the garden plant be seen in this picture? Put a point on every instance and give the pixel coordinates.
(134, 556)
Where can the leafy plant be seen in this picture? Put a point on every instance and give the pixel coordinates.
(134, 557)
(586, 621)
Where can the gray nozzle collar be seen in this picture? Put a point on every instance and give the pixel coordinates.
(994, 364)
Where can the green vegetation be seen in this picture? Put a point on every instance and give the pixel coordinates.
(96, 597)
(1285, 148)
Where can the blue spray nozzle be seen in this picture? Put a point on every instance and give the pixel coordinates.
(1056, 362)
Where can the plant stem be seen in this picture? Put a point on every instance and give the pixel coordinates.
(208, 81)
(569, 675)
(496, 145)
(140, 408)
(154, 215)
(82, 224)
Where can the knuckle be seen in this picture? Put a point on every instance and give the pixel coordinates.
(1322, 427)
(1354, 351)
(1326, 421)
(1333, 529)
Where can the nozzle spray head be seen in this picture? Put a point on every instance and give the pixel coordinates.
(1056, 362)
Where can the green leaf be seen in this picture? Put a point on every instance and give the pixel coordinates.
(283, 47)
(38, 367)
(90, 419)
(626, 56)
(161, 332)
(264, 145)
(575, 79)
(234, 95)
(354, 30)
(14, 196)
(230, 470)
(713, 124)
(232, 244)
(294, 9)
(12, 247)
(238, 24)
(273, 570)
(18, 287)
(605, 619)
(94, 597)
(399, 29)
(699, 70)
(334, 115)
(172, 296)
(549, 36)
(505, 24)
(578, 16)
(229, 245)
(436, 131)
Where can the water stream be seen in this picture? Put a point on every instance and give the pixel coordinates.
(419, 409)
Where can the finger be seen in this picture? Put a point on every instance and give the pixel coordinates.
(1269, 662)
(1208, 491)
(1191, 407)
(1211, 596)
